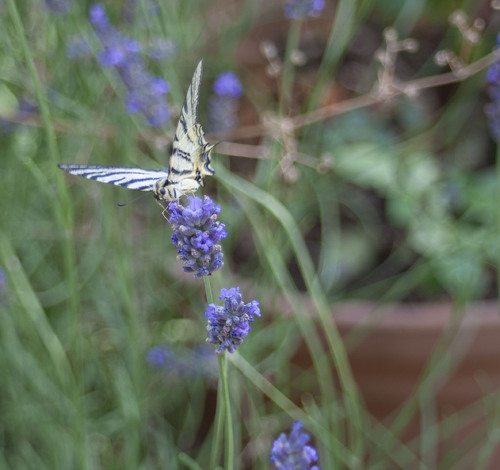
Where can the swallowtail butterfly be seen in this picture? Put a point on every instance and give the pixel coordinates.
(189, 162)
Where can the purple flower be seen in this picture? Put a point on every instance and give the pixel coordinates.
(228, 83)
(179, 361)
(196, 233)
(301, 8)
(223, 104)
(158, 356)
(145, 93)
(3, 284)
(292, 453)
(493, 108)
(228, 325)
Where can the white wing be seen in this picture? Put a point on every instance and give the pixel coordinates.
(189, 162)
(131, 178)
(190, 151)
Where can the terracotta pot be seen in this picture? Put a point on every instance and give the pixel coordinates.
(390, 346)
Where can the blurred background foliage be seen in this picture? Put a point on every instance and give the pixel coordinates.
(394, 201)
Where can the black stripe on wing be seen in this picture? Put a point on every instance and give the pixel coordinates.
(131, 178)
(189, 111)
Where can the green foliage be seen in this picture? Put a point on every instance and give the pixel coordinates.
(394, 199)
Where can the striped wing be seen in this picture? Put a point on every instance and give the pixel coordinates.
(131, 178)
(189, 162)
(190, 151)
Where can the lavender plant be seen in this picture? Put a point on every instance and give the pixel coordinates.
(196, 235)
(145, 93)
(223, 105)
(228, 325)
(72, 271)
(292, 452)
(493, 108)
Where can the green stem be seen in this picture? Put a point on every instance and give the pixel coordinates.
(64, 217)
(229, 447)
(352, 398)
(219, 431)
(491, 444)
(223, 406)
(208, 289)
(497, 220)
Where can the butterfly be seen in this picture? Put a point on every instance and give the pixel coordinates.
(189, 162)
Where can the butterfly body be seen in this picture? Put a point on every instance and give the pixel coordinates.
(189, 162)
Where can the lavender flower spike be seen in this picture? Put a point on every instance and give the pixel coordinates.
(493, 108)
(228, 325)
(292, 453)
(145, 93)
(196, 233)
(223, 104)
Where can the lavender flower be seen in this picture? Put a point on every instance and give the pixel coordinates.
(59, 7)
(228, 84)
(183, 361)
(196, 233)
(158, 356)
(301, 8)
(292, 453)
(223, 105)
(228, 325)
(145, 93)
(3, 284)
(493, 108)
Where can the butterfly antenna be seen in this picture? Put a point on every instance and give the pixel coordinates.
(123, 204)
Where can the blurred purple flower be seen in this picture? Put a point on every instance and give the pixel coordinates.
(228, 83)
(223, 104)
(292, 453)
(180, 361)
(228, 325)
(297, 9)
(196, 233)
(3, 283)
(145, 93)
(493, 108)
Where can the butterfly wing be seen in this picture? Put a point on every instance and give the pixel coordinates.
(131, 178)
(189, 162)
(190, 151)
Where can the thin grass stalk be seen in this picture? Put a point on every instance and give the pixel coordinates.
(63, 215)
(309, 333)
(339, 356)
(223, 407)
(322, 433)
(338, 40)
(62, 211)
(435, 370)
(493, 425)
(229, 443)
